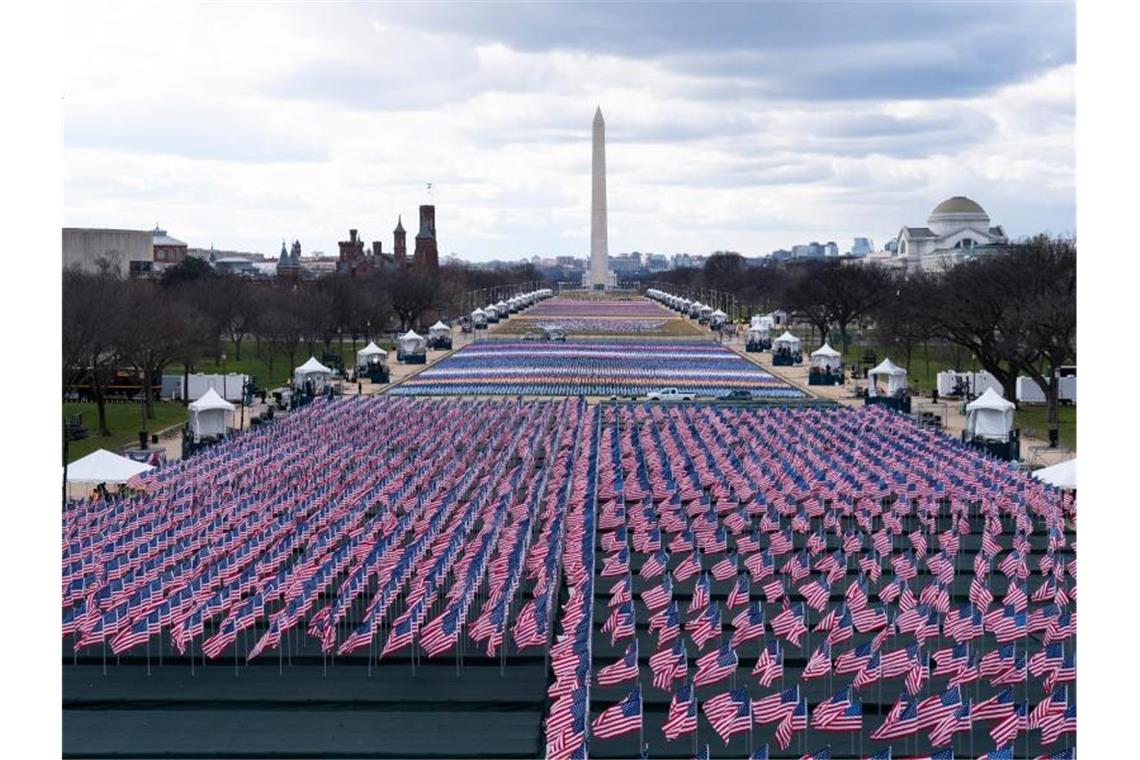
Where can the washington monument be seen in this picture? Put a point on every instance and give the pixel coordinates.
(599, 276)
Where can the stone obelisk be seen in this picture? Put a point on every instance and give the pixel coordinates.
(599, 244)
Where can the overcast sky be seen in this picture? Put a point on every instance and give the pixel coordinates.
(742, 127)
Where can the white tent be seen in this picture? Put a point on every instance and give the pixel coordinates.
(758, 332)
(479, 318)
(826, 358)
(411, 343)
(104, 467)
(364, 355)
(989, 416)
(439, 330)
(719, 313)
(1061, 475)
(312, 371)
(208, 415)
(896, 378)
(788, 341)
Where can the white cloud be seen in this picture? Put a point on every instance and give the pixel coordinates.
(239, 125)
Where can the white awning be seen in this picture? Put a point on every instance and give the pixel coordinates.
(1061, 475)
(826, 351)
(104, 467)
(210, 400)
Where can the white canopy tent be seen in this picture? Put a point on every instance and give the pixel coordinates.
(479, 318)
(896, 378)
(827, 359)
(788, 341)
(1060, 475)
(364, 355)
(311, 371)
(208, 415)
(758, 332)
(989, 416)
(439, 330)
(411, 343)
(104, 467)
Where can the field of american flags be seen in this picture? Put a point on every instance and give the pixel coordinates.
(594, 368)
(868, 503)
(847, 538)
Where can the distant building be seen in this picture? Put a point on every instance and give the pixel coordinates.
(957, 229)
(862, 246)
(426, 254)
(353, 261)
(830, 249)
(289, 263)
(124, 250)
(168, 251)
(400, 243)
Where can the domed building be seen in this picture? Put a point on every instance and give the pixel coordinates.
(957, 229)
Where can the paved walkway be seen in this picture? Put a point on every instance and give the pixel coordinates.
(1034, 451)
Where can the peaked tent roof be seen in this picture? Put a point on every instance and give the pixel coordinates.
(211, 400)
(104, 467)
(439, 325)
(826, 350)
(372, 350)
(887, 367)
(991, 399)
(411, 335)
(787, 337)
(312, 365)
(1061, 475)
(719, 313)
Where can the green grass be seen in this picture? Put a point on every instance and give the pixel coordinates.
(1032, 419)
(123, 419)
(257, 363)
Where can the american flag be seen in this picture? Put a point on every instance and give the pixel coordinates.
(660, 595)
(790, 623)
(748, 624)
(1055, 724)
(797, 720)
(770, 663)
(740, 591)
(901, 721)
(729, 713)
(1008, 729)
(682, 717)
(706, 626)
(700, 593)
(870, 672)
(775, 707)
(998, 707)
(716, 665)
(625, 669)
(619, 719)
(849, 719)
(831, 707)
(668, 664)
(820, 663)
(943, 733)
(1055, 703)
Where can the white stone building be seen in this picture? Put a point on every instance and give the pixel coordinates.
(957, 229)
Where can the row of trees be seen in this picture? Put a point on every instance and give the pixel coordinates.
(190, 314)
(1014, 313)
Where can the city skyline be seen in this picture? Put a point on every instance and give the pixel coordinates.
(746, 128)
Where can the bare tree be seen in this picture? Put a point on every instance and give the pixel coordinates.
(92, 319)
(412, 292)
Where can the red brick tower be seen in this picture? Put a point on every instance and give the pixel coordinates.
(427, 252)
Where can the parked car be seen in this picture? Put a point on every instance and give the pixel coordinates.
(670, 394)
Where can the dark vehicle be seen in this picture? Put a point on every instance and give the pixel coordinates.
(738, 395)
